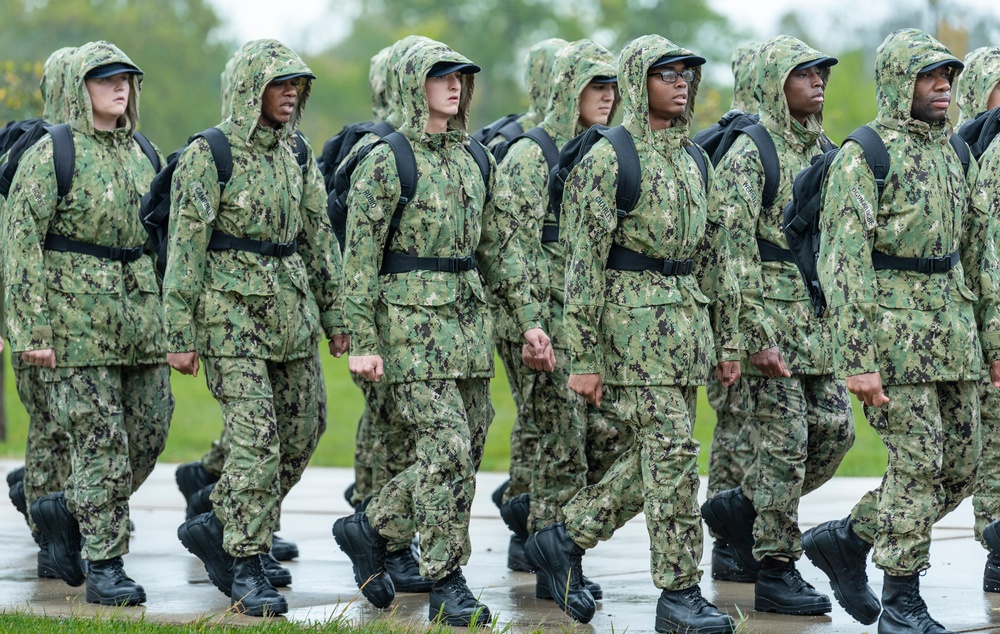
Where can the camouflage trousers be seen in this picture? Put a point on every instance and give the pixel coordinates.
(931, 433)
(433, 496)
(524, 433)
(117, 418)
(656, 474)
(272, 417)
(732, 451)
(802, 429)
(986, 490)
(47, 455)
(364, 439)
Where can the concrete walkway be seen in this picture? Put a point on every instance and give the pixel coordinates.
(323, 585)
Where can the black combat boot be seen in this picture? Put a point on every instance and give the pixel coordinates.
(725, 566)
(836, 549)
(108, 584)
(515, 514)
(516, 559)
(278, 575)
(780, 588)
(283, 549)
(252, 593)
(17, 475)
(404, 570)
(192, 477)
(451, 602)
(16, 494)
(688, 611)
(45, 568)
(542, 591)
(730, 515)
(60, 529)
(904, 610)
(200, 501)
(991, 575)
(202, 536)
(366, 549)
(559, 561)
(349, 494)
(497, 495)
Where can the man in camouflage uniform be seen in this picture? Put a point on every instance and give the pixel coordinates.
(650, 305)
(800, 414)
(419, 321)
(86, 310)
(906, 339)
(979, 92)
(252, 277)
(583, 94)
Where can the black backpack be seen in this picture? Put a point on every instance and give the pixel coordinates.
(406, 165)
(17, 137)
(629, 177)
(801, 215)
(154, 210)
(717, 138)
(337, 147)
(539, 136)
(979, 132)
(505, 127)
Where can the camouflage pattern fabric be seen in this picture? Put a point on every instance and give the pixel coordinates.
(656, 475)
(745, 77)
(524, 432)
(931, 433)
(918, 331)
(117, 418)
(273, 428)
(977, 81)
(732, 452)
(652, 338)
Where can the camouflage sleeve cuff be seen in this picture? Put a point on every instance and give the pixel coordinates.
(990, 342)
(584, 362)
(758, 336)
(728, 354)
(333, 323)
(41, 339)
(182, 341)
(854, 346)
(529, 316)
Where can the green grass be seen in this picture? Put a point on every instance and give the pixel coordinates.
(197, 422)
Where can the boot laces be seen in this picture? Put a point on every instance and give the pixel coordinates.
(794, 578)
(405, 562)
(694, 598)
(576, 566)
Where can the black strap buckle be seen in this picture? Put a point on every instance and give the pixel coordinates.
(278, 249)
(941, 264)
(677, 267)
(457, 265)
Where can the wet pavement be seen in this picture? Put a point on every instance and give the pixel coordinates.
(323, 585)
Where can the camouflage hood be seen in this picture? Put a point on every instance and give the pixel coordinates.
(637, 57)
(778, 56)
(982, 73)
(745, 77)
(575, 65)
(259, 62)
(79, 113)
(226, 81)
(898, 61)
(396, 53)
(411, 73)
(538, 76)
(53, 85)
(378, 76)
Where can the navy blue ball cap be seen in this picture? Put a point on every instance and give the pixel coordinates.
(689, 60)
(605, 79)
(819, 62)
(112, 69)
(294, 76)
(441, 69)
(954, 63)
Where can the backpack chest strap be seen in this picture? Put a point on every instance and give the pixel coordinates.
(623, 259)
(403, 263)
(222, 241)
(55, 242)
(942, 264)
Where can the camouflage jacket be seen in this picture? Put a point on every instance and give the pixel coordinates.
(90, 310)
(430, 324)
(908, 326)
(644, 328)
(523, 178)
(980, 77)
(744, 63)
(776, 310)
(238, 303)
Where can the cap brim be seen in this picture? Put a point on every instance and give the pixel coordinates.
(605, 79)
(954, 63)
(689, 60)
(819, 62)
(109, 70)
(446, 68)
(294, 76)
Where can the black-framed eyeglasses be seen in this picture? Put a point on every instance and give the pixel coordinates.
(670, 76)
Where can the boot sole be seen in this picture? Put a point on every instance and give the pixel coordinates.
(434, 616)
(815, 555)
(815, 609)
(59, 549)
(666, 626)
(269, 608)
(721, 528)
(194, 547)
(535, 555)
(344, 542)
(129, 598)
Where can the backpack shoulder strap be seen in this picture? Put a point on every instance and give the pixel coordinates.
(383, 128)
(768, 159)
(222, 154)
(876, 155)
(406, 167)
(480, 155)
(63, 157)
(629, 169)
(699, 158)
(148, 150)
(544, 141)
(301, 155)
(962, 149)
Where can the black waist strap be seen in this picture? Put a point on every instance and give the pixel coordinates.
(550, 233)
(943, 264)
(55, 242)
(222, 241)
(624, 259)
(770, 252)
(403, 263)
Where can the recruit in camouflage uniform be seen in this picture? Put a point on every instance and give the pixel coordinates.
(524, 432)
(978, 92)
(430, 331)
(645, 339)
(92, 318)
(560, 466)
(907, 341)
(253, 310)
(47, 453)
(800, 414)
